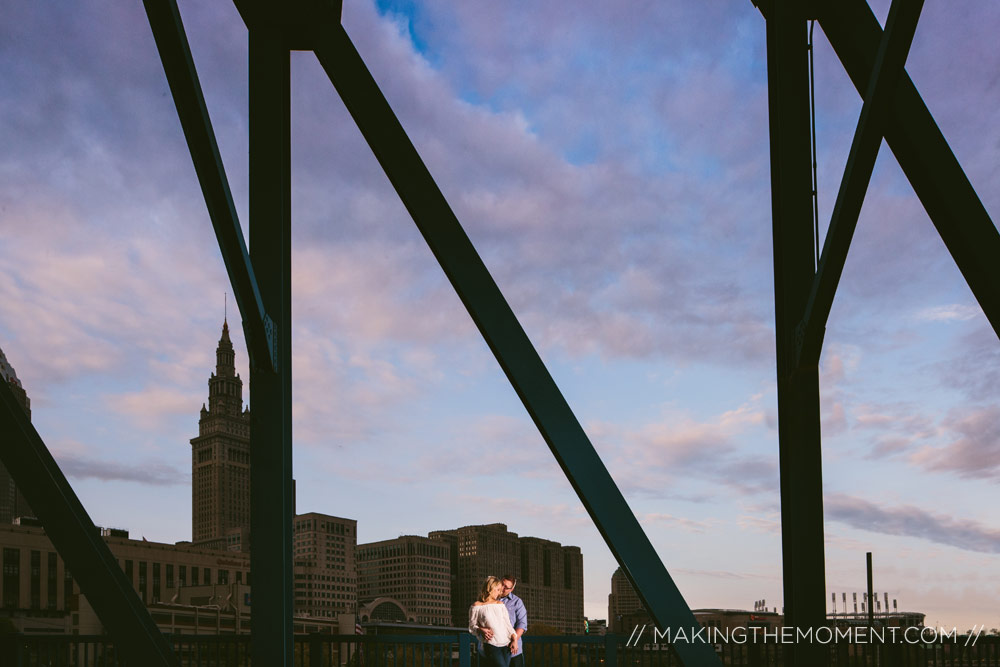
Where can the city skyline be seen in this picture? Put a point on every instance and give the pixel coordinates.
(612, 169)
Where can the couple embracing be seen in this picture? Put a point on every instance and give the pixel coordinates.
(498, 618)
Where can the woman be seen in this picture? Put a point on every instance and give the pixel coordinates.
(489, 612)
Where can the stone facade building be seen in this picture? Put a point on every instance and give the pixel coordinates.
(38, 592)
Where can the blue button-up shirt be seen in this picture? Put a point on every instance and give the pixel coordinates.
(518, 614)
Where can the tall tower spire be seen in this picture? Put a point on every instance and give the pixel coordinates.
(225, 388)
(220, 458)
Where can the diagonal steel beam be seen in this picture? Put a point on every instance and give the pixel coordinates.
(77, 539)
(172, 44)
(922, 152)
(924, 155)
(901, 24)
(508, 341)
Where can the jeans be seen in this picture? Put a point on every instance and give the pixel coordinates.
(496, 656)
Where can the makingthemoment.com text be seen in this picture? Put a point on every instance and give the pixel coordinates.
(791, 635)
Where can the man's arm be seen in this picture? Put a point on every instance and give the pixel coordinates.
(520, 624)
(520, 618)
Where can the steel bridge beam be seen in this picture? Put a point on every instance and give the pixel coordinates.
(924, 155)
(268, 341)
(77, 539)
(799, 451)
(271, 491)
(508, 341)
(921, 151)
(175, 54)
(901, 24)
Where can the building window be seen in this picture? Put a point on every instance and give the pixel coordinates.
(11, 578)
(51, 580)
(223, 576)
(142, 580)
(194, 575)
(208, 576)
(156, 582)
(170, 575)
(67, 589)
(128, 572)
(181, 575)
(36, 579)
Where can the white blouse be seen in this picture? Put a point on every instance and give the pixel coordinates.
(492, 616)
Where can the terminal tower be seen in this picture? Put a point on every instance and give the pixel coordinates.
(220, 459)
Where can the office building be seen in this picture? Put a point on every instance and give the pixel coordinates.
(38, 592)
(411, 570)
(324, 568)
(550, 581)
(550, 576)
(624, 605)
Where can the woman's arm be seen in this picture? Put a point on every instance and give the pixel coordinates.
(474, 620)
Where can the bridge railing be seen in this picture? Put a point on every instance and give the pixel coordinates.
(459, 650)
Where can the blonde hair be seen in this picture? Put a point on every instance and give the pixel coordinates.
(484, 592)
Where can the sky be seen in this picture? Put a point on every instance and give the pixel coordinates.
(610, 163)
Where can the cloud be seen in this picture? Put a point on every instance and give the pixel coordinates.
(951, 312)
(343, 389)
(975, 451)
(151, 406)
(723, 574)
(671, 522)
(483, 446)
(912, 521)
(770, 523)
(603, 292)
(149, 472)
(974, 368)
(649, 459)
(562, 514)
(894, 428)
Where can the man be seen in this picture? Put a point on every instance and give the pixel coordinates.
(518, 617)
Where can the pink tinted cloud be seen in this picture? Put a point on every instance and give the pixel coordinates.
(912, 521)
(974, 451)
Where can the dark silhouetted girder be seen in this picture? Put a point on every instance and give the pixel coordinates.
(799, 451)
(77, 539)
(178, 65)
(901, 24)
